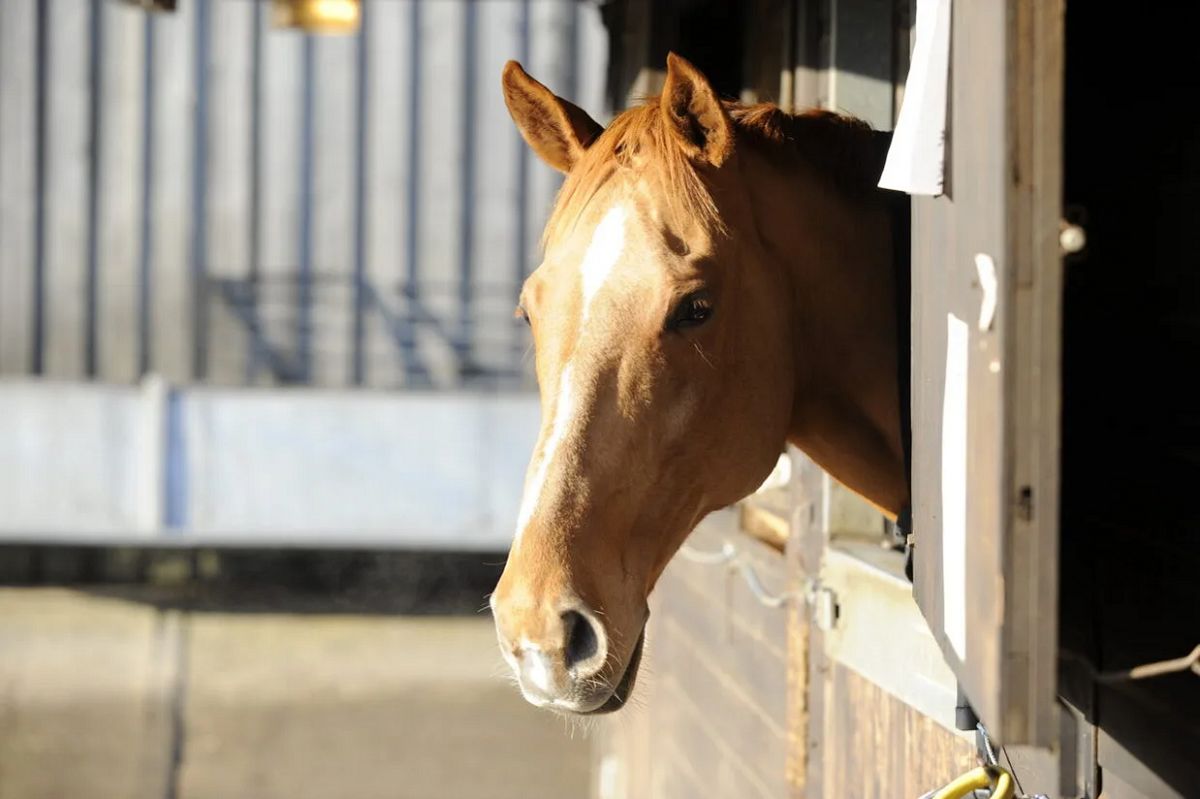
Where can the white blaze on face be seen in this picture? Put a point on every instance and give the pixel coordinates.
(563, 412)
(607, 244)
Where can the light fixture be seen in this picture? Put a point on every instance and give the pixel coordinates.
(155, 5)
(317, 16)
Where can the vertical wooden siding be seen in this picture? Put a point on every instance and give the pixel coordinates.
(710, 717)
(202, 196)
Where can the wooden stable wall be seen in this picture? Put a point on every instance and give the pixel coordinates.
(738, 699)
(851, 737)
(710, 717)
(876, 746)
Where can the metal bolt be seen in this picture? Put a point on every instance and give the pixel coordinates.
(825, 609)
(1072, 238)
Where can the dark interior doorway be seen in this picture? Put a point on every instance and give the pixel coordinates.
(1131, 416)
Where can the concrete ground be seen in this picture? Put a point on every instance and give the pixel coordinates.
(112, 695)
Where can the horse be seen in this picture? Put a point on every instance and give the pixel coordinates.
(717, 281)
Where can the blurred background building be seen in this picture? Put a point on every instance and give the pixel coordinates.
(264, 407)
(199, 201)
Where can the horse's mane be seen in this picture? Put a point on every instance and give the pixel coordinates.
(842, 149)
(839, 149)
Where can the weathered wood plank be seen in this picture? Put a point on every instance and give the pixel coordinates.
(1031, 556)
(389, 128)
(708, 598)
(68, 142)
(710, 716)
(438, 247)
(673, 776)
(171, 212)
(695, 730)
(799, 626)
(738, 658)
(550, 63)
(751, 715)
(628, 751)
(796, 770)
(876, 746)
(994, 214)
(335, 137)
(18, 181)
(493, 266)
(947, 233)
(765, 625)
(119, 211)
(231, 91)
(279, 179)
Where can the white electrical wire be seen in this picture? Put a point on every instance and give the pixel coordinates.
(730, 556)
(1189, 662)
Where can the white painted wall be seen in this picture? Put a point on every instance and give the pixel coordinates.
(86, 462)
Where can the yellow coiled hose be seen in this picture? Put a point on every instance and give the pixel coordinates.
(999, 780)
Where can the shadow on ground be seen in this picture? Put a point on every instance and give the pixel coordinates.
(256, 581)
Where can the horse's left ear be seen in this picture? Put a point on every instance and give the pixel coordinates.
(557, 130)
(694, 113)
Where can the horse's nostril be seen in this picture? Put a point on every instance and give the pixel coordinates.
(582, 639)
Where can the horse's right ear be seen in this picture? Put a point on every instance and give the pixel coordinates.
(695, 114)
(558, 131)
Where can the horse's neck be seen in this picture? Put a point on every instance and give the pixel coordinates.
(837, 250)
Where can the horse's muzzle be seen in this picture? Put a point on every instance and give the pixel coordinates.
(561, 658)
(624, 688)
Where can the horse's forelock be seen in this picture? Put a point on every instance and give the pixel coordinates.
(636, 140)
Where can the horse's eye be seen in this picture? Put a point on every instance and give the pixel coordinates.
(522, 314)
(692, 311)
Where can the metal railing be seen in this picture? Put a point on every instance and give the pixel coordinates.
(477, 344)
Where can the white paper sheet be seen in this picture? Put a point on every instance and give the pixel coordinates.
(954, 486)
(916, 159)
